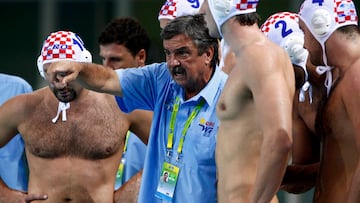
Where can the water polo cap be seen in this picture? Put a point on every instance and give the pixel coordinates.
(62, 45)
(283, 29)
(322, 18)
(176, 8)
(223, 10)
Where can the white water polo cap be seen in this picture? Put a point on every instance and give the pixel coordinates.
(62, 45)
(322, 18)
(176, 8)
(223, 10)
(283, 29)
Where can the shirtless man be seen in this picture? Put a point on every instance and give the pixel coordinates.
(310, 93)
(333, 39)
(73, 137)
(255, 107)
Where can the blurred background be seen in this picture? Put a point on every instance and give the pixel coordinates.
(26, 23)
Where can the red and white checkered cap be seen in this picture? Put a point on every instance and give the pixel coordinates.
(283, 29)
(337, 13)
(176, 8)
(287, 17)
(323, 17)
(62, 45)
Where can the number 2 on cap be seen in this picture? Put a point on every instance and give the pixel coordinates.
(284, 31)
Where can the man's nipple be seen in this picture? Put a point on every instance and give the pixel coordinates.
(108, 149)
(222, 106)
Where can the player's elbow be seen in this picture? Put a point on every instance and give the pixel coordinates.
(283, 142)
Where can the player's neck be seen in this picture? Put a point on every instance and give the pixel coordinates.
(233, 31)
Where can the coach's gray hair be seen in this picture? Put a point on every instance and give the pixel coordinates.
(193, 26)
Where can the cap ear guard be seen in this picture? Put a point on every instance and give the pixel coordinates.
(40, 66)
(321, 22)
(294, 46)
(220, 9)
(86, 56)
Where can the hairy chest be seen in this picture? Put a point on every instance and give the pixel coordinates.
(92, 133)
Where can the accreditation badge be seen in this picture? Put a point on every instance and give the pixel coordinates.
(120, 172)
(168, 179)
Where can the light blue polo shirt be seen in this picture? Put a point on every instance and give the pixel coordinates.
(151, 88)
(13, 167)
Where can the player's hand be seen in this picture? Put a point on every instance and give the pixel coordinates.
(32, 197)
(20, 197)
(62, 72)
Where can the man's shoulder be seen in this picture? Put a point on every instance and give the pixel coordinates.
(149, 69)
(159, 66)
(158, 72)
(14, 80)
(264, 52)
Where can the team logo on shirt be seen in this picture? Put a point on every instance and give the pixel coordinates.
(207, 126)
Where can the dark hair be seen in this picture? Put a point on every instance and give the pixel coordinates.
(349, 30)
(248, 19)
(193, 26)
(127, 32)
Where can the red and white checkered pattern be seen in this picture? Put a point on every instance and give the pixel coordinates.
(246, 4)
(345, 11)
(176, 8)
(59, 45)
(62, 45)
(168, 10)
(265, 27)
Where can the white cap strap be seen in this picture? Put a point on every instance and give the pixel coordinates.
(328, 81)
(61, 108)
(307, 86)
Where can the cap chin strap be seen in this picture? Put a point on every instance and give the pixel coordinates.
(325, 69)
(306, 87)
(61, 108)
(328, 81)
